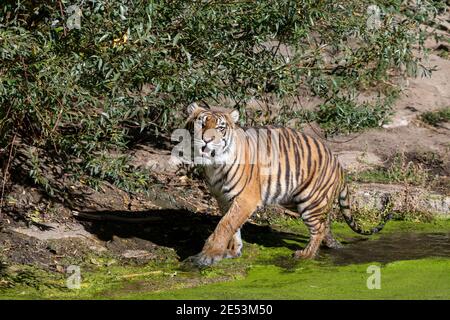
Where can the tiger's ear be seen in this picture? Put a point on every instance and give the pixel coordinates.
(234, 115)
(193, 107)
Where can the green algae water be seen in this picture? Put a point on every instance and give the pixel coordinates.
(418, 279)
(411, 259)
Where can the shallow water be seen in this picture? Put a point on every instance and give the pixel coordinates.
(267, 269)
(392, 247)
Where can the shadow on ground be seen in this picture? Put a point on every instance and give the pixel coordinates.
(393, 247)
(186, 232)
(181, 230)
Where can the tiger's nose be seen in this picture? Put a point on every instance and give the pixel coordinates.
(206, 141)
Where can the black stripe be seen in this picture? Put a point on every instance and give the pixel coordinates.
(302, 188)
(221, 178)
(219, 174)
(249, 178)
(227, 190)
(323, 192)
(266, 196)
(238, 193)
(234, 173)
(319, 152)
(287, 173)
(308, 153)
(278, 185)
(296, 151)
(321, 187)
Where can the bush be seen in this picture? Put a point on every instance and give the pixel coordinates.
(434, 118)
(342, 115)
(84, 95)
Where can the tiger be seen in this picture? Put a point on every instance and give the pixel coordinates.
(246, 170)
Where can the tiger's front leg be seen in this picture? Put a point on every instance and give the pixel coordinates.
(225, 241)
(234, 249)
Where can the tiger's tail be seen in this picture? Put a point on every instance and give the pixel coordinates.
(344, 203)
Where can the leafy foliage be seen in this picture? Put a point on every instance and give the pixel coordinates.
(85, 83)
(400, 170)
(344, 115)
(434, 118)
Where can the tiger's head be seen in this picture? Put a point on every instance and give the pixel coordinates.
(212, 130)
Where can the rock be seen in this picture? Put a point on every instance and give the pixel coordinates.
(98, 248)
(357, 160)
(136, 254)
(57, 232)
(396, 123)
(155, 160)
(371, 195)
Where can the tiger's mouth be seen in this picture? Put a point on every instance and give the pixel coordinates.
(208, 152)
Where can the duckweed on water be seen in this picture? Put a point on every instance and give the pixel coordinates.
(416, 279)
(269, 272)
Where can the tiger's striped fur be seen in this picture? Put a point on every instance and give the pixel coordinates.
(247, 170)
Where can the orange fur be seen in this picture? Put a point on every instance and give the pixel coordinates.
(246, 170)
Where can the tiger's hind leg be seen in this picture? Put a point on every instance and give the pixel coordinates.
(317, 228)
(329, 240)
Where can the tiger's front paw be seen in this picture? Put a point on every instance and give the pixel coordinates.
(233, 253)
(304, 254)
(203, 259)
